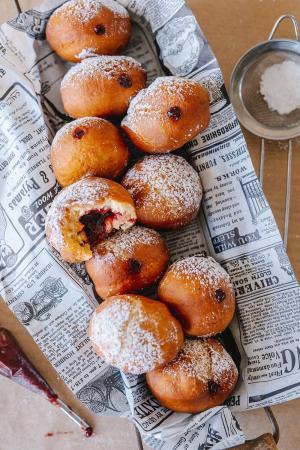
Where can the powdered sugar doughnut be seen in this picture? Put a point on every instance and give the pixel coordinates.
(166, 115)
(134, 333)
(201, 376)
(88, 146)
(101, 86)
(129, 261)
(84, 213)
(166, 190)
(199, 293)
(80, 28)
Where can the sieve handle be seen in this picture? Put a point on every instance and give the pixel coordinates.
(278, 21)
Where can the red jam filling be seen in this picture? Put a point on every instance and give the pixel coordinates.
(15, 365)
(95, 224)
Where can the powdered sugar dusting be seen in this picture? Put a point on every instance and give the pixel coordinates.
(141, 105)
(199, 269)
(86, 10)
(100, 66)
(87, 52)
(204, 360)
(94, 122)
(164, 178)
(121, 330)
(122, 244)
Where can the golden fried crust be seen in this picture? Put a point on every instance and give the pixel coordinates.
(128, 262)
(167, 115)
(88, 146)
(199, 293)
(202, 376)
(76, 30)
(144, 334)
(101, 86)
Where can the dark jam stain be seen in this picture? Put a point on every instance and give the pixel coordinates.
(78, 133)
(213, 387)
(94, 225)
(57, 433)
(124, 80)
(88, 431)
(99, 29)
(133, 266)
(174, 113)
(220, 295)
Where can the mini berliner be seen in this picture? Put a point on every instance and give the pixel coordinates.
(79, 28)
(88, 146)
(84, 213)
(199, 293)
(166, 190)
(134, 333)
(127, 262)
(101, 86)
(201, 376)
(166, 115)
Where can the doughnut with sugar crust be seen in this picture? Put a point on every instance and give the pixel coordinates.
(88, 146)
(166, 115)
(81, 28)
(201, 376)
(199, 293)
(166, 190)
(134, 333)
(84, 213)
(101, 86)
(128, 261)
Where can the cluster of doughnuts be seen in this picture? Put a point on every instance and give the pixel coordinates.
(92, 219)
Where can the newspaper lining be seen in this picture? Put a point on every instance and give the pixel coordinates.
(235, 225)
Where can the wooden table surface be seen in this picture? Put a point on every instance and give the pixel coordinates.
(231, 26)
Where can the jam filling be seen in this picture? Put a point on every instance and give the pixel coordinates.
(220, 295)
(78, 133)
(133, 266)
(212, 387)
(95, 224)
(174, 113)
(99, 29)
(15, 366)
(124, 80)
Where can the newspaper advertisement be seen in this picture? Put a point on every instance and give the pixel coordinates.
(54, 300)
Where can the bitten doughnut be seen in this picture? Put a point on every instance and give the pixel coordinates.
(134, 333)
(80, 28)
(88, 146)
(199, 293)
(101, 86)
(129, 261)
(201, 376)
(166, 190)
(166, 115)
(84, 213)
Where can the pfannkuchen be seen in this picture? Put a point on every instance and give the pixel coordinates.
(201, 376)
(101, 86)
(166, 190)
(79, 28)
(199, 293)
(127, 262)
(166, 115)
(88, 146)
(84, 213)
(134, 333)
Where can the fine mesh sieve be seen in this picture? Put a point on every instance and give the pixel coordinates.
(252, 110)
(250, 107)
